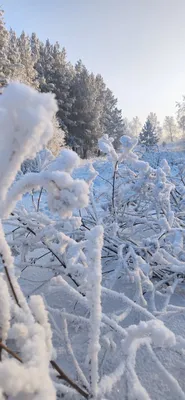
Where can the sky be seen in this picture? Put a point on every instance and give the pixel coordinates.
(138, 46)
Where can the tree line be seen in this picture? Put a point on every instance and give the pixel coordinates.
(152, 132)
(87, 107)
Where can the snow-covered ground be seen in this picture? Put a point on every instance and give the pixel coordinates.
(156, 369)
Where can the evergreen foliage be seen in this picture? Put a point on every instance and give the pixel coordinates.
(149, 135)
(87, 109)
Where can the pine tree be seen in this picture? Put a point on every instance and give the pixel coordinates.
(13, 55)
(170, 128)
(148, 135)
(154, 121)
(111, 120)
(40, 67)
(61, 76)
(135, 126)
(127, 127)
(113, 123)
(85, 128)
(29, 73)
(4, 63)
(181, 115)
(44, 66)
(35, 47)
(58, 139)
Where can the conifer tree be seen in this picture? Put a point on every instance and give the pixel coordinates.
(135, 126)
(181, 115)
(154, 121)
(13, 54)
(112, 120)
(4, 63)
(86, 111)
(148, 135)
(35, 47)
(29, 73)
(170, 128)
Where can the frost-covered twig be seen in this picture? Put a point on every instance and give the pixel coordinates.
(94, 247)
(63, 376)
(71, 352)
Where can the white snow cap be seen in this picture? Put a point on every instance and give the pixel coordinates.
(4, 310)
(26, 125)
(106, 146)
(26, 114)
(160, 335)
(67, 161)
(165, 166)
(65, 193)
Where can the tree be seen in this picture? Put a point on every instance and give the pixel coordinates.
(135, 126)
(44, 65)
(29, 73)
(13, 55)
(61, 76)
(170, 127)
(4, 64)
(35, 47)
(112, 120)
(156, 124)
(85, 128)
(149, 135)
(127, 127)
(181, 114)
(58, 139)
(55, 75)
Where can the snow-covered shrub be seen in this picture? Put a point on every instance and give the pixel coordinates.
(58, 139)
(106, 262)
(42, 159)
(25, 122)
(141, 211)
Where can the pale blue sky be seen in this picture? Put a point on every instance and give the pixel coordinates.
(137, 45)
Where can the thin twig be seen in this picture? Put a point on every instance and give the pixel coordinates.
(106, 180)
(11, 285)
(62, 375)
(43, 255)
(49, 248)
(33, 201)
(11, 352)
(39, 199)
(113, 187)
(79, 371)
(38, 287)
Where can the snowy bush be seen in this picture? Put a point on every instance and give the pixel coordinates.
(105, 263)
(25, 120)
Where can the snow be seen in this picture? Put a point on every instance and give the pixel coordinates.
(38, 309)
(25, 116)
(67, 161)
(94, 276)
(106, 146)
(5, 310)
(100, 266)
(64, 193)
